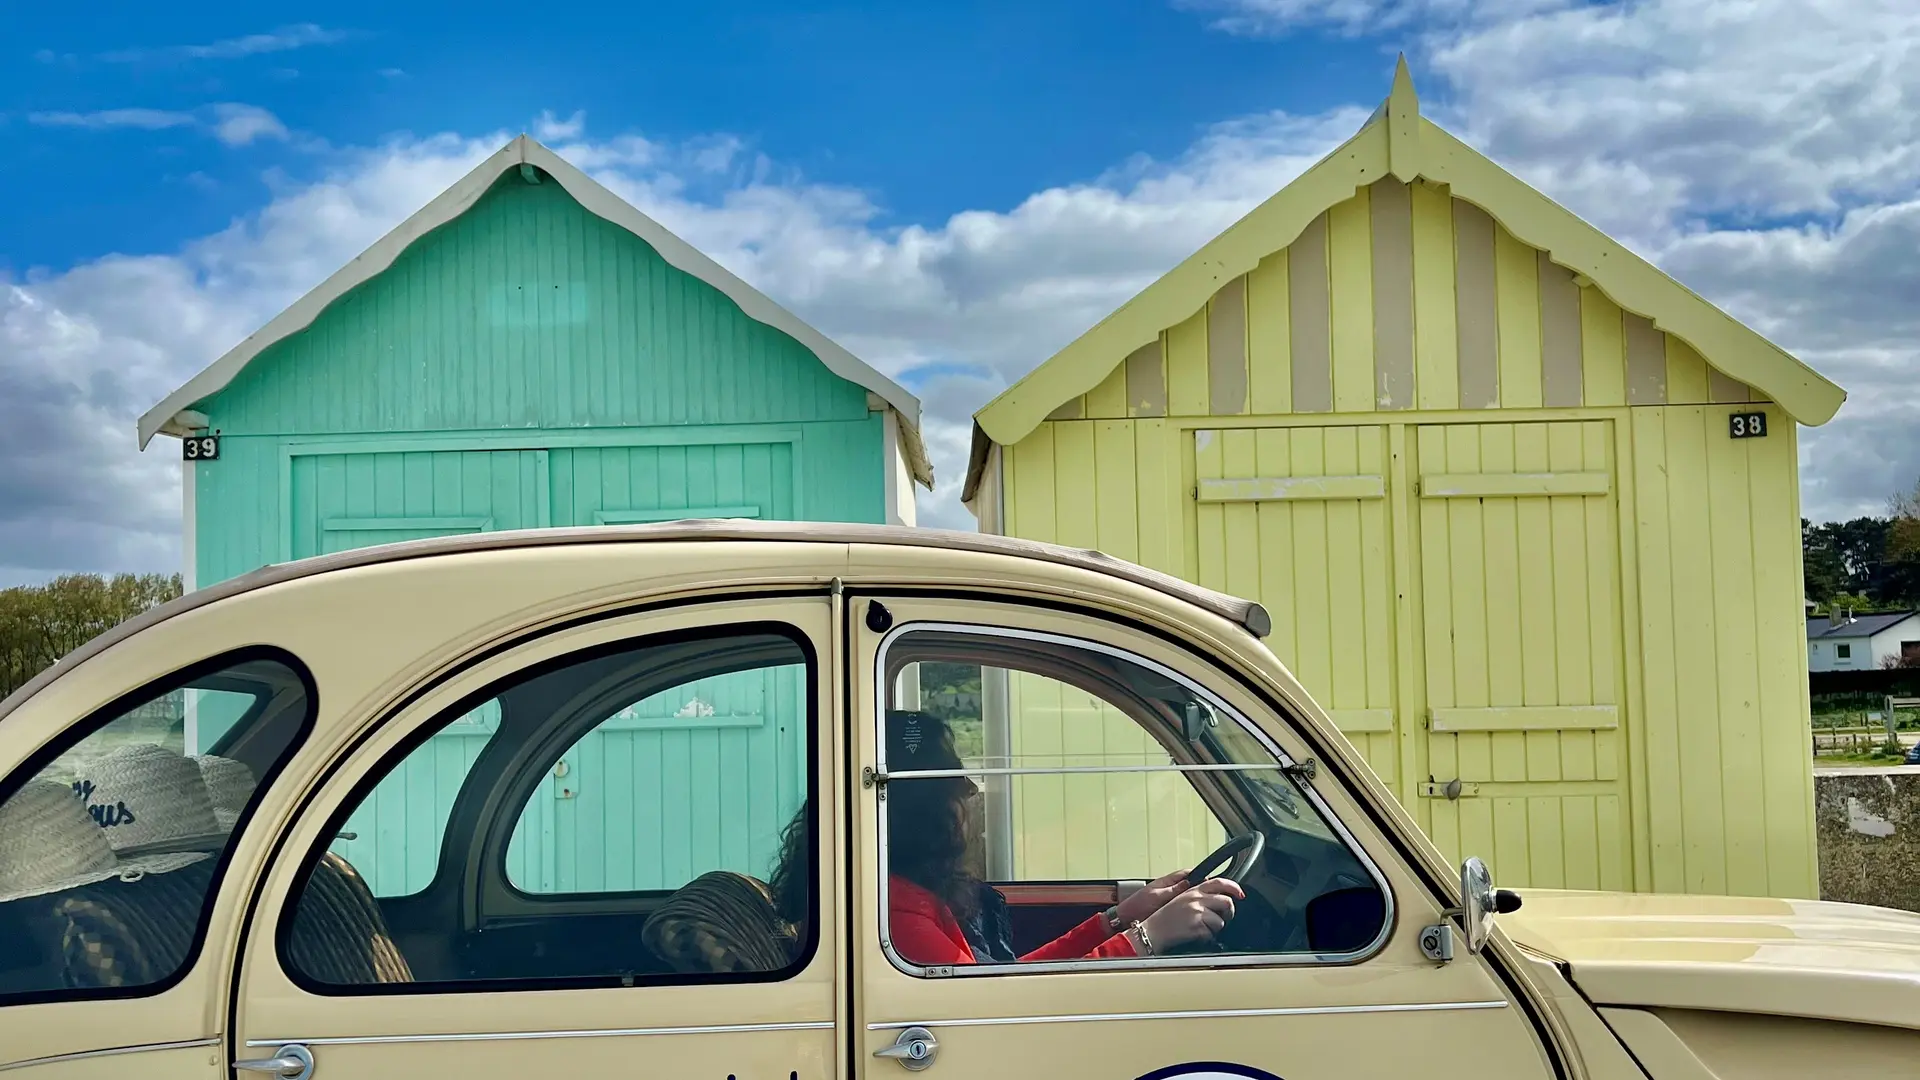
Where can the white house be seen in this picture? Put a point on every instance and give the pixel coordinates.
(1847, 642)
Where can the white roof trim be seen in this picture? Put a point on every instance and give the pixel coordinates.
(168, 416)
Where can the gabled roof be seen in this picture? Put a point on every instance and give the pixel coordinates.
(174, 416)
(1820, 627)
(1397, 141)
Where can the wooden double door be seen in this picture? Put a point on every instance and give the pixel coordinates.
(1452, 594)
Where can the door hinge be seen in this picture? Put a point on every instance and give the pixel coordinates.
(1436, 942)
(1303, 771)
(870, 777)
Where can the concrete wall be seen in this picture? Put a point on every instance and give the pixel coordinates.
(1869, 831)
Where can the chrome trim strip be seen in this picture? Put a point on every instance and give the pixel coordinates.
(503, 1036)
(1199, 1014)
(1282, 759)
(1075, 770)
(116, 1051)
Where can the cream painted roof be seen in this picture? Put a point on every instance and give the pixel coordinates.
(173, 416)
(1246, 613)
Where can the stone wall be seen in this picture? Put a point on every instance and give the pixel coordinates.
(1869, 823)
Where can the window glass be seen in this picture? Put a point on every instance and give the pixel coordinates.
(110, 852)
(1036, 784)
(646, 805)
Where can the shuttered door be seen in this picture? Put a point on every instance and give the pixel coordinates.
(1520, 605)
(340, 502)
(1297, 517)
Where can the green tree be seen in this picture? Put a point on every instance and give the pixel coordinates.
(39, 624)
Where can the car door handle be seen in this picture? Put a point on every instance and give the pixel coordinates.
(292, 1062)
(915, 1048)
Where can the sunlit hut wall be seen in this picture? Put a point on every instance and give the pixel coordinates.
(529, 350)
(1525, 510)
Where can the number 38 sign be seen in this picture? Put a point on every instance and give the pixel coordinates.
(1747, 425)
(200, 448)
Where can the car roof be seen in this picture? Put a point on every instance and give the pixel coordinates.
(1246, 613)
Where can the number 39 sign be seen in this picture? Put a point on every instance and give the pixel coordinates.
(200, 448)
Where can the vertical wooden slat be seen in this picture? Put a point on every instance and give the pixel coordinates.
(1733, 614)
(1375, 589)
(1156, 480)
(1030, 472)
(1538, 565)
(1209, 463)
(1346, 575)
(1517, 275)
(1350, 255)
(1392, 207)
(1697, 697)
(1646, 361)
(1477, 309)
(1686, 374)
(1310, 352)
(1187, 366)
(1435, 335)
(1312, 596)
(1603, 362)
(1562, 383)
(1723, 389)
(1108, 401)
(1146, 381)
(1269, 337)
(1227, 349)
(1273, 456)
(1501, 574)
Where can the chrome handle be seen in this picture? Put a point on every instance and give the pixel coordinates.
(914, 1049)
(294, 1062)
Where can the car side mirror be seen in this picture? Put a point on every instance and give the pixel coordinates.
(1480, 902)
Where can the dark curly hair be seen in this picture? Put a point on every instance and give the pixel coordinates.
(926, 833)
(927, 817)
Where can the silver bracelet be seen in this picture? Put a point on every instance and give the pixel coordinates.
(1139, 931)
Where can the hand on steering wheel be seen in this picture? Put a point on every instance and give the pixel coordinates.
(1196, 916)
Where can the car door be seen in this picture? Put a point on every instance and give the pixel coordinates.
(502, 923)
(123, 853)
(1105, 756)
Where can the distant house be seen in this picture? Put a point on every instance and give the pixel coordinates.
(1843, 641)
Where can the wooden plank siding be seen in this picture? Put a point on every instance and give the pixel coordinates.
(1502, 532)
(1492, 323)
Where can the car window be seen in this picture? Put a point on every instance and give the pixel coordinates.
(111, 849)
(647, 804)
(1077, 773)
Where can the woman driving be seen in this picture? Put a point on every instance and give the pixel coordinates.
(940, 914)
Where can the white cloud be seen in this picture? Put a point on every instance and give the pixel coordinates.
(1608, 120)
(1275, 18)
(145, 119)
(552, 129)
(238, 125)
(285, 39)
(232, 123)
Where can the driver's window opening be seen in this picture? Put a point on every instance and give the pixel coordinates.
(1048, 801)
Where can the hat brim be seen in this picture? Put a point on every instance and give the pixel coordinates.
(201, 843)
(127, 868)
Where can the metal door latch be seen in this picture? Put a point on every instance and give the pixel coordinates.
(915, 1049)
(291, 1062)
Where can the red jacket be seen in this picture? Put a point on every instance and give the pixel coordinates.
(924, 932)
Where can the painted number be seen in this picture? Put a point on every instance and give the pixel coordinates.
(1748, 425)
(200, 448)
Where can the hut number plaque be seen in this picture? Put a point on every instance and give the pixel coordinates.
(200, 448)
(1747, 425)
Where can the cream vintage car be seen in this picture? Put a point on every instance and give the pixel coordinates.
(615, 802)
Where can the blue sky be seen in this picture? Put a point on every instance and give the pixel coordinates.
(932, 109)
(953, 192)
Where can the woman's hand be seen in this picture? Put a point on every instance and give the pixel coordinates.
(1150, 898)
(1196, 914)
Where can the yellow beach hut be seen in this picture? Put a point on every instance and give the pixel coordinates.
(1524, 508)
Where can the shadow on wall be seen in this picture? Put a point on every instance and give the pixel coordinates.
(1869, 822)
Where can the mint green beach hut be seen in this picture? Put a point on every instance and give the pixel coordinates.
(530, 350)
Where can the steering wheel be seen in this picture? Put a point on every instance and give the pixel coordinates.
(1238, 855)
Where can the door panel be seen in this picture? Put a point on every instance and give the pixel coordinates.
(1520, 600)
(1393, 1013)
(425, 1021)
(617, 485)
(1297, 518)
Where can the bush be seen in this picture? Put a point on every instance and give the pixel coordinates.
(42, 623)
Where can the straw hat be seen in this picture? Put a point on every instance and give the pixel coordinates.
(229, 785)
(48, 843)
(145, 798)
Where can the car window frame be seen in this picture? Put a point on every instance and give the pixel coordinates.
(473, 866)
(1228, 712)
(79, 731)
